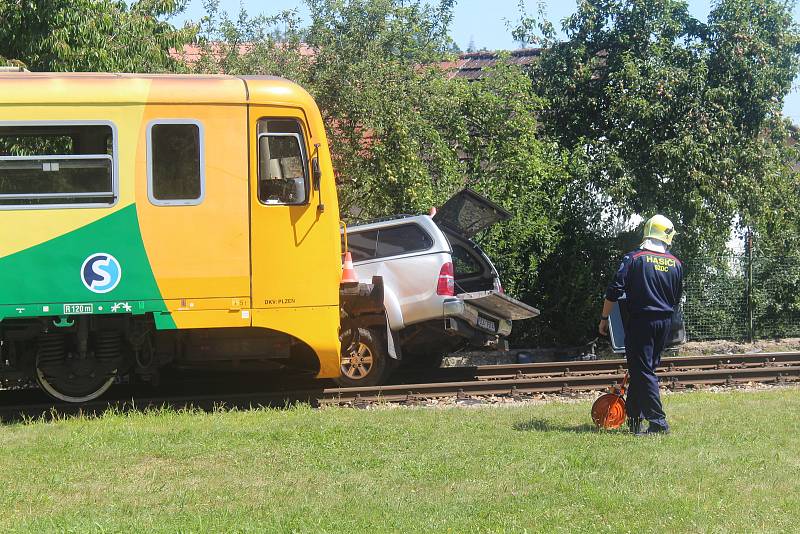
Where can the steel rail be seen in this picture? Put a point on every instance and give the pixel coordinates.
(556, 384)
(615, 365)
(683, 361)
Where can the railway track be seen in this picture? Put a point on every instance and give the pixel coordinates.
(723, 361)
(508, 380)
(568, 377)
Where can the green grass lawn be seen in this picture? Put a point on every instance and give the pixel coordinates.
(732, 463)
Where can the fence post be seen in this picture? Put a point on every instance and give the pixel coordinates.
(750, 314)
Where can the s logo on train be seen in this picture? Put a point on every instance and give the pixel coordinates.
(101, 273)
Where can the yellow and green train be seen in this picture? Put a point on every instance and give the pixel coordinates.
(149, 219)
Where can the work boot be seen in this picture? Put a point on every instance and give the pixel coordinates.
(655, 428)
(635, 426)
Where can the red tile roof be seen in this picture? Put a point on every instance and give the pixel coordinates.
(472, 65)
(192, 52)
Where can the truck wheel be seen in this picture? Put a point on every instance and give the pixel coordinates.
(366, 362)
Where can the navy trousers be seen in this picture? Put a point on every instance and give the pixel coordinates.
(645, 338)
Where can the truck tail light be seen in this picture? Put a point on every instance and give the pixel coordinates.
(447, 282)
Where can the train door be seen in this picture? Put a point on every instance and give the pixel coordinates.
(282, 214)
(294, 240)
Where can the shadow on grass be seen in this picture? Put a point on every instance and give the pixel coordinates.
(227, 393)
(541, 425)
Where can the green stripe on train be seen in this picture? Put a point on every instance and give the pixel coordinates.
(47, 279)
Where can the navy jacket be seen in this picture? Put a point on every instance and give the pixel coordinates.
(651, 282)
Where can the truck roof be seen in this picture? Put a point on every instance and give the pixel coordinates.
(25, 88)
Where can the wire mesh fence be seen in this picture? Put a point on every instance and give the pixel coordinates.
(742, 296)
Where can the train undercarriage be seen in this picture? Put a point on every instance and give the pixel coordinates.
(78, 359)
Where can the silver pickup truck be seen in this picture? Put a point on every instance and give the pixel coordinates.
(441, 292)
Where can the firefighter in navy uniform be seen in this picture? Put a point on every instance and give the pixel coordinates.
(652, 280)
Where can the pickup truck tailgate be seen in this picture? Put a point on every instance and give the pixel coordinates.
(499, 305)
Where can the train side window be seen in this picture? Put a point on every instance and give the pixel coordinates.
(62, 164)
(175, 162)
(282, 162)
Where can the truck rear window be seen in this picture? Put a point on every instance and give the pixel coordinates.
(387, 242)
(56, 165)
(465, 264)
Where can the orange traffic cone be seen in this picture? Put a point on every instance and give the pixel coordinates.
(348, 272)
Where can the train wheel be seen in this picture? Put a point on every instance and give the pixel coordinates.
(366, 361)
(71, 377)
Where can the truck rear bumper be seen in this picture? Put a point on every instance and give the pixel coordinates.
(475, 337)
(475, 319)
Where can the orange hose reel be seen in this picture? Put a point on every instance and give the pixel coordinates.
(608, 411)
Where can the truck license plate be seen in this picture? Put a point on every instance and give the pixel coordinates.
(487, 324)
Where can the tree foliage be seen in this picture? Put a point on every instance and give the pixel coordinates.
(512, 164)
(249, 44)
(388, 112)
(668, 114)
(92, 35)
(672, 114)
